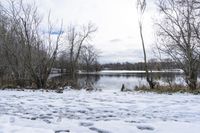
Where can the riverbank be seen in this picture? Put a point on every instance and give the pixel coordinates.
(168, 89)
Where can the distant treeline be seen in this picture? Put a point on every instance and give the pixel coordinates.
(153, 65)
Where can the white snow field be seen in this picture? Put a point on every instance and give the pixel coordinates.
(98, 112)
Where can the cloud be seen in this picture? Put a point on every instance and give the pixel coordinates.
(131, 55)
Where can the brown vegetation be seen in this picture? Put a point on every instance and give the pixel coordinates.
(167, 89)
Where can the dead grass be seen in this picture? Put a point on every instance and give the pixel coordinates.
(167, 89)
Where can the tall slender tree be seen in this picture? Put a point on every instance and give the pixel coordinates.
(141, 6)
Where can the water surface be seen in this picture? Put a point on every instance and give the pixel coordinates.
(107, 80)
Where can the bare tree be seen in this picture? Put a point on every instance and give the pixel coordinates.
(141, 6)
(30, 53)
(41, 52)
(76, 37)
(10, 44)
(63, 61)
(89, 56)
(179, 34)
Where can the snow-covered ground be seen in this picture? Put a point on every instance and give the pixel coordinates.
(98, 112)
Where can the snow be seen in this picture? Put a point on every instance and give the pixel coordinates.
(107, 111)
(116, 72)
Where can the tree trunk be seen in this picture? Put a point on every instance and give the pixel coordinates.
(72, 70)
(150, 82)
(191, 80)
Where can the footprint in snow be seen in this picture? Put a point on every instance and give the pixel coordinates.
(98, 130)
(143, 127)
(12, 119)
(86, 124)
(62, 131)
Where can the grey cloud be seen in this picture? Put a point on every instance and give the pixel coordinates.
(124, 56)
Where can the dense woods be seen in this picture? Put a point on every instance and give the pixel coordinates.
(28, 53)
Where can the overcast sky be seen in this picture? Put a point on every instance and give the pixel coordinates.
(118, 34)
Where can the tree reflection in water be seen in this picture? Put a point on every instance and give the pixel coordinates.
(115, 81)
